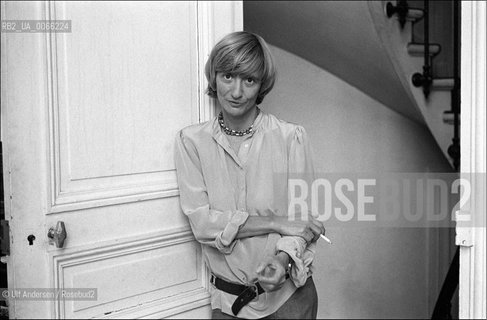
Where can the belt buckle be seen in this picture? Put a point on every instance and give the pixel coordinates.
(213, 280)
(255, 289)
(249, 294)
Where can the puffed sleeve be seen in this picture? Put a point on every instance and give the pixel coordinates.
(210, 227)
(300, 154)
(300, 166)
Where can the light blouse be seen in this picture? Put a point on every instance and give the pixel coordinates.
(220, 188)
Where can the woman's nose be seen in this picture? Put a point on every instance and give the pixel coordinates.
(237, 89)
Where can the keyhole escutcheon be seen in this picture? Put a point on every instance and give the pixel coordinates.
(31, 239)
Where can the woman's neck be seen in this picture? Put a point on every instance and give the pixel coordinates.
(242, 122)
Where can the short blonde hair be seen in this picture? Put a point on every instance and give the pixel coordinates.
(245, 54)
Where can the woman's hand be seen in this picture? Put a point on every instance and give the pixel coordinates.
(271, 272)
(310, 230)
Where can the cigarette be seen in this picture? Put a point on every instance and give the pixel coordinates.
(325, 238)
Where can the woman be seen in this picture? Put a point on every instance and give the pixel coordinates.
(232, 173)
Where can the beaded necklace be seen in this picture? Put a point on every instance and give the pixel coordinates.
(231, 132)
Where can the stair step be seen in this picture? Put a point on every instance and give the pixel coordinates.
(443, 84)
(449, 118)
(412, 14)
(417, 49)
(415, 14)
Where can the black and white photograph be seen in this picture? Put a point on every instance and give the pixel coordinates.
(243, 159)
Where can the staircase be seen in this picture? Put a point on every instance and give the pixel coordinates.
(433, 90)
(378, 54)
(439, 101)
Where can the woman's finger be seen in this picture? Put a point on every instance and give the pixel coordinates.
(318, 224)
(274, 279)
(307, 235)
(261, 267)
(268, 286)
(316, 231)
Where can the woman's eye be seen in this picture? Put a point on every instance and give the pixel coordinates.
(227, 76)
(250, 81)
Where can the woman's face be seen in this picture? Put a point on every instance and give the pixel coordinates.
(237, 94)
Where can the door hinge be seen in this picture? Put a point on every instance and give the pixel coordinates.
(464, 236)
(4, 238)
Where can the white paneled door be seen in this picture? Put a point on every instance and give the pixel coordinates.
(88, 123)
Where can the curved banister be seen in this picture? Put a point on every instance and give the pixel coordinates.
(395, 41)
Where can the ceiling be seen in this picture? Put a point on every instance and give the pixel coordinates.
(337, 36)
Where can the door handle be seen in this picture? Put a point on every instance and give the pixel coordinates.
(57, 235)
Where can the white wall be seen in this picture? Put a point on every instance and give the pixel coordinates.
(366, 273)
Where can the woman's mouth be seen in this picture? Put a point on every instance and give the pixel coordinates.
(234, 103)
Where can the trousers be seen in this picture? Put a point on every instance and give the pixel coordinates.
(303, 304)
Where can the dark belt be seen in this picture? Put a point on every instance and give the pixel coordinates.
(244, 294)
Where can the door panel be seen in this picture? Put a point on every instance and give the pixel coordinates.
(123, 82)
(88, 124)
(165, 269)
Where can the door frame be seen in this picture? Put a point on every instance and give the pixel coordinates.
(472, 241)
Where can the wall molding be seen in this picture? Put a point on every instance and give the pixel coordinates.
(206, 31)
(215, 19)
